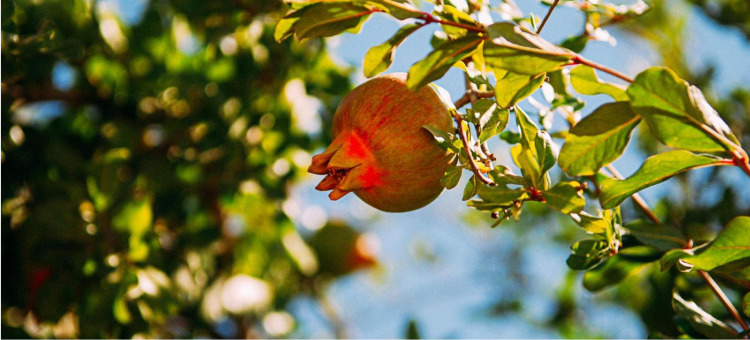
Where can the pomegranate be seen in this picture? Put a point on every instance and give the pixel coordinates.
(380, 151)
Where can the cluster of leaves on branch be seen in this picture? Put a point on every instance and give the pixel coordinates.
(507, 61)
(143, 195)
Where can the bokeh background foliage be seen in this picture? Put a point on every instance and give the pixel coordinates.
(144, 162)
(148, 152)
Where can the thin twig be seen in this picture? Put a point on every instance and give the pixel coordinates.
(637, 199)
(465, 141)
(549, 12)
(579, 59)
(465, 99)
(723, 298)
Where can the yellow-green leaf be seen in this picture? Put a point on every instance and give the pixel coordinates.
(598, 139)
(584, 81)
(732, 244)
(656, 169)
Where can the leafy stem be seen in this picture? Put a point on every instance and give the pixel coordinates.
(638, 200)
(464, 139)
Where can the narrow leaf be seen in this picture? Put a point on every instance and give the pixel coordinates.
(677, 113)
(584, 81)
(440, 60)
(380, 57)
(732, 244)
(598, 139)
(656, 169)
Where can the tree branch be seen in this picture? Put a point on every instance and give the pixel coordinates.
(579, 59)
(723, 298)
(549, 12)
(466, 98)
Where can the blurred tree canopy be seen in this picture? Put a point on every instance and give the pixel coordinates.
(145, 161)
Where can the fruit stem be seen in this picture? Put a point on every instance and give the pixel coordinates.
(464, 140)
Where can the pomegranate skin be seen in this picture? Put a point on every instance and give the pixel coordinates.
(381, 151)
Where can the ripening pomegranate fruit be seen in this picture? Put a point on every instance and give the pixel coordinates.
(380, 151)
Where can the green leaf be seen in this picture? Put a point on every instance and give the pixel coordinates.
(451, 13)
(412, 330)
(471, 188)
(492, 118)
(659, 236)
(700, 320)
(656, 169)
(398, 9)
(444, 139)
(512, 87)
(584, 81)
(672, 257)
(499, 195)
(451, 177)
(514, 48)
(616, 269)
(120, 310)
(440, 60)
(380, 57)
(327, 19)
(527, 128)
(544, 151)
(285, 27)
(565, 197)
(677, 113)
(746, 304)
(135, 217)
(587, 254)
(598, 139)
(592, 224)
(525, 160)
(732, 244)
